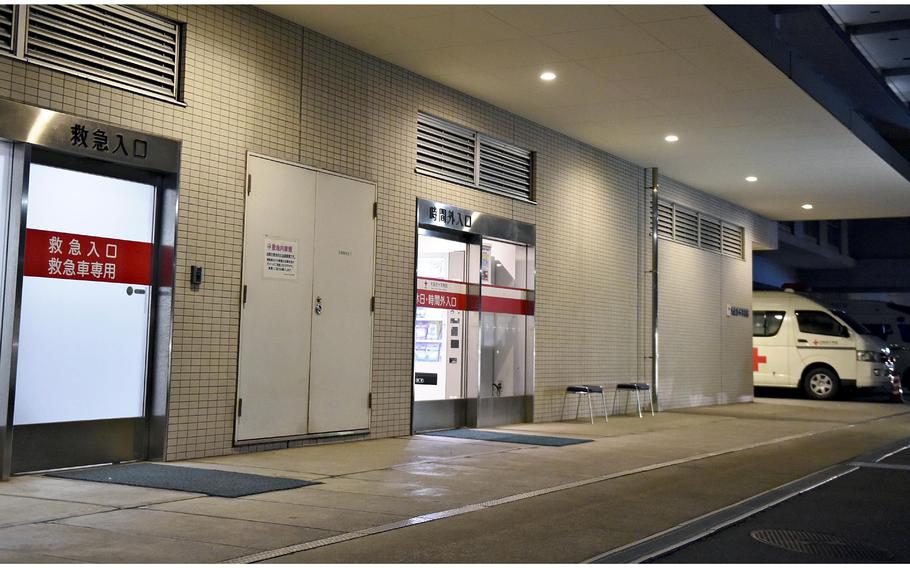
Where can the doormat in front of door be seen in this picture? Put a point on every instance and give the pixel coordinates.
(215, 482)
(506, 437)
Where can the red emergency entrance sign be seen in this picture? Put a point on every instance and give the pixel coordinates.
(52, 254)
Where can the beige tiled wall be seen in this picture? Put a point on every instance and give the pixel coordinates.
(257, 83)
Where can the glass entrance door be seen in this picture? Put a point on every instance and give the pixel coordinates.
(473, 332)
(83, 341)
(440, 332)
(507, 330)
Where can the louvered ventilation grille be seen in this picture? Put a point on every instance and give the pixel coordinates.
(445, 150)
(733, 241)
(7, 13)
(686, 226)
(709, 234)
(116, 44)
(460, 155)
(665, 219)
(682, 225)
(505, 169)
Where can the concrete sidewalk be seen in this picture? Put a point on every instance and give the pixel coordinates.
(432, 499)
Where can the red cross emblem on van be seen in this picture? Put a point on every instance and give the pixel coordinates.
(757, 359)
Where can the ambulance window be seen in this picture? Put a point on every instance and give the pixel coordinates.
(820, 323)
(766, 324)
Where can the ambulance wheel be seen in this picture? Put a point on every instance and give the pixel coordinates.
(821, 383)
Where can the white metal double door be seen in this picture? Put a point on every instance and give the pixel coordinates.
(306, 320)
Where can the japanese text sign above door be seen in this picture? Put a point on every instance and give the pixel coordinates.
(88, 138)
(53, 254)
(436, 215)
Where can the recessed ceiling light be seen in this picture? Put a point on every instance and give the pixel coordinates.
(671, 138)
(547, 76)
(807, 206)
(751, 179)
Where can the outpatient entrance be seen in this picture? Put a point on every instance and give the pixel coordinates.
(473, 319)
(91, 211)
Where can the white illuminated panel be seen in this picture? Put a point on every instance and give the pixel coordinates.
(83, 344)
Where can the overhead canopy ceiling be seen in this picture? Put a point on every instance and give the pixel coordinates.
(626, 77)
(882, 34)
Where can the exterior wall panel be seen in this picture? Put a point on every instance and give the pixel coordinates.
(255, 82)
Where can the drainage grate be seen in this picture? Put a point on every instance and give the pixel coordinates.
(821, 544)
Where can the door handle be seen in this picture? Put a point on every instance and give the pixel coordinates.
(130, 290)
(802, 341)
(318, 308)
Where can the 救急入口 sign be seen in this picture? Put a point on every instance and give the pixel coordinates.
(55, 254)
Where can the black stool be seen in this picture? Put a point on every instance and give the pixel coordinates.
(637, 387)
(586, 391)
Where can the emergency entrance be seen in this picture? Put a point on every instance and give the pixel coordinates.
(473, 319)
(87, 288)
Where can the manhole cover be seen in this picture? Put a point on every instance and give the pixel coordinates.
(821, 544)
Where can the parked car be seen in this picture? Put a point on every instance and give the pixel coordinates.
(799, 343)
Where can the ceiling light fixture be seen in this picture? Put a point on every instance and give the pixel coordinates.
(547, 76)
(751, 179)
(671, 138)
(807, 206)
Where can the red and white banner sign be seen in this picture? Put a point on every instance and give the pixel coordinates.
(505, 300)
(452, 295)
(53, 254)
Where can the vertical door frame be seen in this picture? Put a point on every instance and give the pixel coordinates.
(13, 256)
(31, 127)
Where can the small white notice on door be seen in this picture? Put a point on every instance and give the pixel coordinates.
(280, 259)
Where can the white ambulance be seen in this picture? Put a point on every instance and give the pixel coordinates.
(798, 343)
(887, 320)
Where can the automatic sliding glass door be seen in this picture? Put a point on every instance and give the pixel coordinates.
(473, 319)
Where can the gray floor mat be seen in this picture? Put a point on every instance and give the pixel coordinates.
(506, 437)
(215, 482)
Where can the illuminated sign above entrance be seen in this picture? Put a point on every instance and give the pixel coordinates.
(435, 215)
(114, 143)
(451, 217)
(88, 138)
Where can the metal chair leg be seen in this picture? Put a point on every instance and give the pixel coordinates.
(613, 408)
(638, 402)
(562, 415)
(603, 398)
(590, 407)
(577, 404)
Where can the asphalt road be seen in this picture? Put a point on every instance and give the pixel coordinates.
(863, 516)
